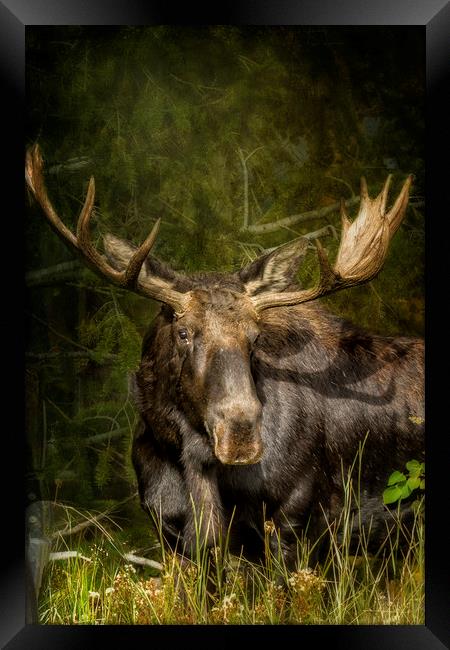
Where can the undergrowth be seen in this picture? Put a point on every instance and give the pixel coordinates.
(350, 586)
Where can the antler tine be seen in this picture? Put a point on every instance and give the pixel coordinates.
(364, 192)
(35, 180)
(384, 194)
(81, 242)
(362, 250)
(94, 259)
(135, 264)
(328, 279)
(397, 212)
(127, 278)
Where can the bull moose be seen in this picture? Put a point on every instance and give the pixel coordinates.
(251, 395)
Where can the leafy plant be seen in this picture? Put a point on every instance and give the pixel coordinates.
(401, 486)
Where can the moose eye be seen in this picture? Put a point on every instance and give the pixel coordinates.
(183, 334)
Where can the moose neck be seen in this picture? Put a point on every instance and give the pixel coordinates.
(329, 357)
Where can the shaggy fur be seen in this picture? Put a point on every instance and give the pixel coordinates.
(324, 386)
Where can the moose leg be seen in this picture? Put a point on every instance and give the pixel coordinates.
(293, 523)
(204, 526)
(284, 537)
(161, 488)
(204, 520)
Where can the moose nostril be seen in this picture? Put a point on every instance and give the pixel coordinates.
(247, 455)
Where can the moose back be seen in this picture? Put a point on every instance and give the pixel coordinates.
(253, 399)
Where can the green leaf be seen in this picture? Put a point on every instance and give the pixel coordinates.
(413, 482)
(392, 494)
(396, 477)
(405, 490)
(413, 466)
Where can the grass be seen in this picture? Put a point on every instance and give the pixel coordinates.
(349, 587)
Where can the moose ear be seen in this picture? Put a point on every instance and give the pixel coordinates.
(119, 252)
(274, 271)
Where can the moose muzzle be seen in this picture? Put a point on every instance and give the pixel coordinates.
(236, 435)
(234, 412)
(237, 445)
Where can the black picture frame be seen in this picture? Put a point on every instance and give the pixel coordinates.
(434, 16)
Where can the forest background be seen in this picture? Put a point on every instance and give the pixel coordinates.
(218, 130)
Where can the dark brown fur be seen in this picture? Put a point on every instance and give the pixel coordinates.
(323, 386)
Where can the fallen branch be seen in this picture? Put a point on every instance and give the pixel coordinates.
(143, 561)
(71, 165)
(71, 530)
(315, 234)
(245, 171)
(52, 274)
(115, 433)
(298, 218)
(68, 354)
(66, 555)
(244, 160)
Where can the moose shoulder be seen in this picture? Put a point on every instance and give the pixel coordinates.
(253, 396)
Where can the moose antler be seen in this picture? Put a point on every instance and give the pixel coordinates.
(362, 250)
(130, 277)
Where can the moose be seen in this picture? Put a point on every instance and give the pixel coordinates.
(252, 396)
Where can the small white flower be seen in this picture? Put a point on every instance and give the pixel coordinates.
(94, 595)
